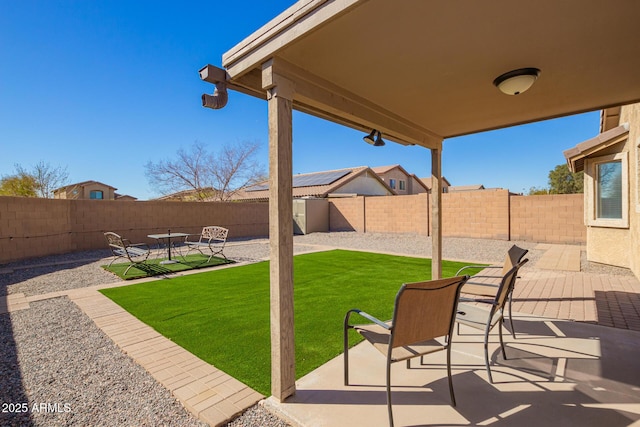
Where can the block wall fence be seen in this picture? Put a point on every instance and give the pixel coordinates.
(487, 214)
(31, 227)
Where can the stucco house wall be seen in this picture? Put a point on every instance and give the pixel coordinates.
(365, 184)
(613, 241)
(394, 176)
(82, 191)
(631, 115)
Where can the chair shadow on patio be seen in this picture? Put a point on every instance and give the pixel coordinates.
(557, 373)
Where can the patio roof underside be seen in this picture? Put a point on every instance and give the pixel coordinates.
(422, 71)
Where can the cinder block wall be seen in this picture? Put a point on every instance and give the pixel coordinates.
(29, 227)
(38, 227)
(487, 214)
(397, 214)
(555, 218)
(479, 214)
(347, 214)
(32, 228)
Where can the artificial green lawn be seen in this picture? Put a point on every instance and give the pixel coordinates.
(222, 316)
(152, 267)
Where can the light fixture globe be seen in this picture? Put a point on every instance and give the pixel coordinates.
(517, 81)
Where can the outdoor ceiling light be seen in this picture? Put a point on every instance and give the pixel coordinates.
(377, 142)
(517, 81)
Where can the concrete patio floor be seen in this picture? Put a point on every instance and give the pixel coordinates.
(558, 373)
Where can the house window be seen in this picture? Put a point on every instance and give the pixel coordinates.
(96, 195)
(392, 183)
(609, 190)
(402, 185)
(607, 181)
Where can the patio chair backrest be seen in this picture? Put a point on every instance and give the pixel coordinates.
(514, 256)
(114, 240)
(214, 233)
(425, 310)
(506, 286)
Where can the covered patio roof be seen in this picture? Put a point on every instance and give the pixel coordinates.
(423, 70)
(419, 72)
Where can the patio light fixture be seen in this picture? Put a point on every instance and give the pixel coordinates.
(377, 142)
(517, 81)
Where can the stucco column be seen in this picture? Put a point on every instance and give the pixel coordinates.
(280, 95)
(436, 212)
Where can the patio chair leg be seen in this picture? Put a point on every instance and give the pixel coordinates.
(504, 354)
(453, 397)
(486, 354)
(346, 354)
(389, 392)
(125, 272)
(513, 331)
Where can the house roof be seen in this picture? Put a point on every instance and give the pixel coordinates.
(184, 194)
(385, 169)
(470, 187)
(575, 156)
(124, 196)
(315, 184)
(82, 184)
(427, 182)
(435, 62)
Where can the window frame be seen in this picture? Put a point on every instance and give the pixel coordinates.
(402, 185)
(591, 177)
(92, 192)
(392, 183)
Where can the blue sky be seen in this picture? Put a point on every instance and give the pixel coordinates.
(103, 87)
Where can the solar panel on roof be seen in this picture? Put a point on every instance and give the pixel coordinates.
(309, 179)
(319, 178)
(258, 187)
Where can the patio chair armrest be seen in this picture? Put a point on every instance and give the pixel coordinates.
(367, 316)
(490, 285)
(477, 266)
(483, 301)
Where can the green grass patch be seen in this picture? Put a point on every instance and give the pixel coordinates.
(152, 267)
(222, 316)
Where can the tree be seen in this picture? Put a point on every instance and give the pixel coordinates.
(18, 185)
(47, 178)
(563, 181)
(535, 191)
(205, 175)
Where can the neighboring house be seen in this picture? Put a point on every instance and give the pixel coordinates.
(400, 181)
(472, 187)
(125, 197)
(611, 165)
(446, 185)
(188, 196)
(89, 190)
(359, 181)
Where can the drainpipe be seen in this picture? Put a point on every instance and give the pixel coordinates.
(219, 98)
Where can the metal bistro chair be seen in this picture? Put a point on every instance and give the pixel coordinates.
(485, 284)
(423, 311)
(136, 253)
(212, 239)
(480, 318)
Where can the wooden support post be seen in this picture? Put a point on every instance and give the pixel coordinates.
(436, 212)
(280, 95)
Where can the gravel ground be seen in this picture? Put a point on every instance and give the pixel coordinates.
(54, 354)
(68, 364)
